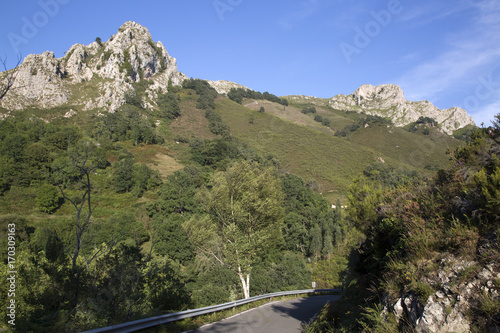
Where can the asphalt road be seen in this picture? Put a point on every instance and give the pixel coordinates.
(276, 317)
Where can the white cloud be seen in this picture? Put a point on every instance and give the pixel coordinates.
(470, 53)
(425, 13)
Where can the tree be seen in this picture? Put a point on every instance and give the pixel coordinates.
(168, 106)
(123, 174)
(363, 196)
(83, 160)
(318, 118)
(9, 77)
(246, 214)
(47, 199)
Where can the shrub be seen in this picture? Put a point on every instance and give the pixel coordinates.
(311, 109)
(47, 199)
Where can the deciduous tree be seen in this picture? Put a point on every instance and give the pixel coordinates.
(246, 213)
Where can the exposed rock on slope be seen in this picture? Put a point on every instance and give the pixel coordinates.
(223, 86)
(447, 308)
(128, 56)
(388, 101)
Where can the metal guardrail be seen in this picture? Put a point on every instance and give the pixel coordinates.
(140, 324)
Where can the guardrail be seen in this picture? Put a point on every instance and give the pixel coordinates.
(141, 324)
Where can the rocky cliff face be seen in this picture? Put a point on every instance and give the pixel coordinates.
(388, 101)
(127, 57)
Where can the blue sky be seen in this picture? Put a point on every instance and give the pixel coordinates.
(444, 51)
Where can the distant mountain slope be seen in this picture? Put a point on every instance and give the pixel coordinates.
(388, 101)
(312, 151)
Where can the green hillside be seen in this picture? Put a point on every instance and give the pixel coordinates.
(155, 193)
(307, 148)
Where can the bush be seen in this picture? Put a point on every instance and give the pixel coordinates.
(311, 109)
(47, 199)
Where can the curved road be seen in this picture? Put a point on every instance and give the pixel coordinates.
(276, 317)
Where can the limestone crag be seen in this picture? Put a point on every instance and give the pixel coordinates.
(127, 57)
(223, 86)
(388, 101)
(38, 81)
(447, 309)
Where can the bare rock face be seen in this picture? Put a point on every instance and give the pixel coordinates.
(75, 64)
(223, 86)
(38, 81)
(388, 101)
(447, 309)
(127, 57)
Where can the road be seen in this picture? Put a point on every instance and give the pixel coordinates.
(276, 317)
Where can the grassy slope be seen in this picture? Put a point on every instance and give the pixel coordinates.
(310, 150)
(303, 146)
(302, 149)
(415, 150)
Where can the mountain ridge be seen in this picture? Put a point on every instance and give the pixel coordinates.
(387, 100)
(131, 56)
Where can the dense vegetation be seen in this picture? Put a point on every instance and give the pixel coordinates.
(237, 95)
(366, 120)
(101, 238)
(410, 227)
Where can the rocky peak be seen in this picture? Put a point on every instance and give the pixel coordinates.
(388, 101)
(127, 57)
(129, 33)
(386, 95)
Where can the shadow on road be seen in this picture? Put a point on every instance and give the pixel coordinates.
(286, 316)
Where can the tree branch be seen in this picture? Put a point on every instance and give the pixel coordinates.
(10, 77)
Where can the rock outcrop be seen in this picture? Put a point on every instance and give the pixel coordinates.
(114, 66)
(455, 296)
(223, 86)
(388, 101)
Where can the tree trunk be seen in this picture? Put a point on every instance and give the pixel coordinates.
(245, 283)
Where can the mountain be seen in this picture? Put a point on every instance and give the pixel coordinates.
(112, 67)
(91, 80)
(388, 101)
(99, 75)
